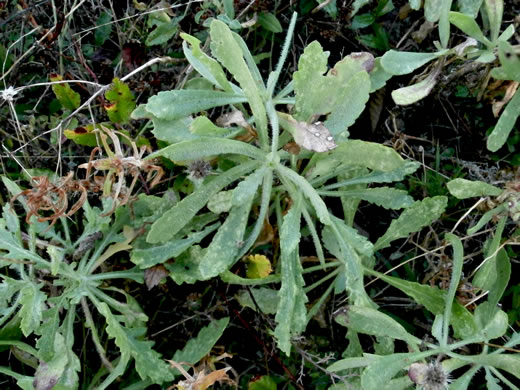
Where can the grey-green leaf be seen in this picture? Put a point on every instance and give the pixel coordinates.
(150, 255)
(373, 322)
(175, 104)
(221, 253)
(179, 215)
(420, 214)
(403, 62)
(507, 120)
(413, 93)
(463, 189)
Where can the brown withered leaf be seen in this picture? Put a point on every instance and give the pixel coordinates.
(314, 136)
(510, 92)
(154, 275)
(201, 379)
(375, 106)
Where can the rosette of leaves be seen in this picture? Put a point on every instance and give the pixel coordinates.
(257, 179)
(51, 285)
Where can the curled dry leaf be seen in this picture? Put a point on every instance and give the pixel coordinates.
(510, 92)
(314, 136)
(154, 275)
(201, 379)
(233, 118)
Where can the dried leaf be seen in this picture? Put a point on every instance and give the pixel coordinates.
(235, 117)
(364, 59)
(510, 92)
(154, 275)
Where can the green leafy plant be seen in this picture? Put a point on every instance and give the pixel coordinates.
(71, 268)
(323, 163)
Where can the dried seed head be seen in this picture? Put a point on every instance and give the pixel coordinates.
(198, 169)
(429, 376)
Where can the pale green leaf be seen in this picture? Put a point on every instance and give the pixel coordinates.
(374, 156)
(433, 10)
(507, 120)
(163, 32)
(148, 363)
(268, 21)
(462, 382)
(248, 187)
(352, 362)
(204, 64)
(341, 94)
(494, 12)
(509, 61)
(456, 273)
(150, 255)
(507, 362)
(469, 7)
(179, 215)
(469, 26)
(486, 275)
(230, 54)
(463, 189)
(496, 327)
(491, 381)
(413, 93)
(32, 301)
(47, 332)
(197, 149)
(222, 252)
(201, 345)
(414, 218)
(373, 322)
(221, 202)
(291, 316)
(175, 104)
(308, 191)
(389, 198)
(403, 62)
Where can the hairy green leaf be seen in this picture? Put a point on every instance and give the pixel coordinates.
(32, 300)
(389, 198)
(341, 94)
(420, 214)
(373, 322)
(175, 104)
(205, 147)
(222, 252)
(179, 215)
(204, 64)
(463, 189)
(231, 54)
(150, 255)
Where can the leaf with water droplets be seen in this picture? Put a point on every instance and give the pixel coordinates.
(314, 136)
